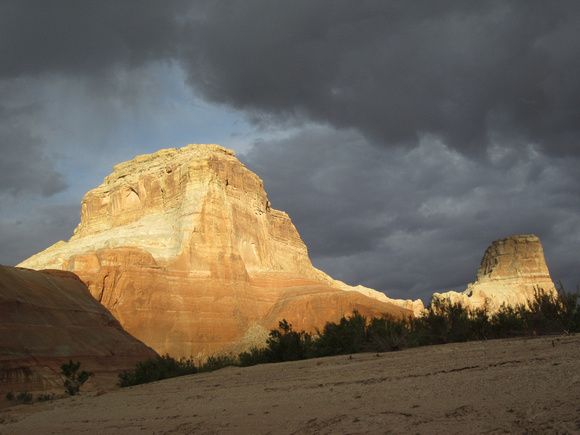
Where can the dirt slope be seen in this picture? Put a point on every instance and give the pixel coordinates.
(49, 317)
(516, 386)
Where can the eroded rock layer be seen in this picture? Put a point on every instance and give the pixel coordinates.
(49, 317)
(183, 247)
(511, 270)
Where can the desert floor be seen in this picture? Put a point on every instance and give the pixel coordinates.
(528, 385)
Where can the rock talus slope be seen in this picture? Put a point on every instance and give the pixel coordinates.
(48, 317)
(184, 249)
(511, 270)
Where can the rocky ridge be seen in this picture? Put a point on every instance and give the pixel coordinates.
(49, 317)
(511, 270)
(185, 250)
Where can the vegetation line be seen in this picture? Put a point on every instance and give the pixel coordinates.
(443, 322)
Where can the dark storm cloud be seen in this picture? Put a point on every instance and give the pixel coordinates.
(26, 227)
(414, 221)
(85, 37)
(472, 73)
(43, 41)
(29, 170)
(24, 166)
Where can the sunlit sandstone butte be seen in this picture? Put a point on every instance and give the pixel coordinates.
(511, 271)
(184, 249)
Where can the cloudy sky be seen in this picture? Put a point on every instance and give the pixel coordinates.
(402, 138)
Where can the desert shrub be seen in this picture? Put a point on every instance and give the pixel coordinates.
(156, 369)
(213, 363)
(73, 380)
(347, 336)
(479, 325)
(382, 335)
(508, 321)
(438, 321)
(45, 398)
(445, 322)
(385, 334)
(253, 357)
(547, 313)
(570, 309)
(19, 399)
(284, 344)
(552, 312)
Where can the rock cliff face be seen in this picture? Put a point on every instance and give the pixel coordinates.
(48, 317)
(183, 247)
(510, 272)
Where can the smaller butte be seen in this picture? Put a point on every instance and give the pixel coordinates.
(511, 271)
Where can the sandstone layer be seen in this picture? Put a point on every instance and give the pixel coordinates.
(49, 317)
(511, 271)
(185, 250)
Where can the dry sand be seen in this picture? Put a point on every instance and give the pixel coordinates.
(529, 385)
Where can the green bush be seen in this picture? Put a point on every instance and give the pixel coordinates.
(73, 380)
(385, 334)
(253, 357)
(553, 313)
(479, 325)
(548, 313)
(446, 322)
(570, 309)
(19, 399)
(26, 398)
(347, 336)
(45, 398)
(156, 369)
(216, 362)
(285, 344)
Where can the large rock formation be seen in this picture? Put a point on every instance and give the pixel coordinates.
(511, 270)
(48, 317)
(185, 250)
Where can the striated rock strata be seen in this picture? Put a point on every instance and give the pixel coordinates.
(511, 270)
(48, 317)
(184, 249)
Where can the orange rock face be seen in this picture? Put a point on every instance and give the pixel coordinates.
(48, 317)
(184, 249)
(511, 270)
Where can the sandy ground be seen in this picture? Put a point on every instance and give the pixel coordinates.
(502, 386)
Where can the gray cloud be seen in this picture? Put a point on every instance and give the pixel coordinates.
(27, 226)
(401, 137)
(412, 222)
(25, 167)
(60, 54)
(86, 37)
(472, 73)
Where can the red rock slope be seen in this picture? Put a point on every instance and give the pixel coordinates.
(48, 317)
(183, 247)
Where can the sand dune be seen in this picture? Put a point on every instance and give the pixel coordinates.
(529, 385)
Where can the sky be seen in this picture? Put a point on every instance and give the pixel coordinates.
(401, 138)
